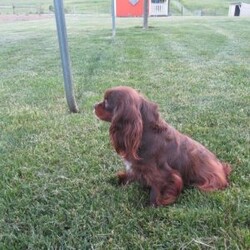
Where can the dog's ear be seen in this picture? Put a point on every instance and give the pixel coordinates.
(126, 127)
(149, 111)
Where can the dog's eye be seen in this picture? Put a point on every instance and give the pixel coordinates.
(107, 105)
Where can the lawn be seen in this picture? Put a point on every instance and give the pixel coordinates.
(57, 187)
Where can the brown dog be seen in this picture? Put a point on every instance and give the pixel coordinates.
(155, 153)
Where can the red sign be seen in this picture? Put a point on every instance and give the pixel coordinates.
(129, 8)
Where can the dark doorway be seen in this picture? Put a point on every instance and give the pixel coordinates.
(237, 10)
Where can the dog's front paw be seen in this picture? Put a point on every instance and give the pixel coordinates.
(122, 178)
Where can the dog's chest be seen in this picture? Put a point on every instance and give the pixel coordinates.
(128, 165)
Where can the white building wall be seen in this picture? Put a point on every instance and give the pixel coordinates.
(245, 9)
(231, 10)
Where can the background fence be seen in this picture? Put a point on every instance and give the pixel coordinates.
(46, 7)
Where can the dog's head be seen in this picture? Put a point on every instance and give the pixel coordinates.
(119, 103)
(127, 110)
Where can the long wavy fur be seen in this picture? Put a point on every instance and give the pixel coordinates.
(156, 154)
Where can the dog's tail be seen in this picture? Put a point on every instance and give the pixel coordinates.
(214, 178)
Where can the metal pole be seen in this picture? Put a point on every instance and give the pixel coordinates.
(113, 17)
(63, 44)
(145, 14)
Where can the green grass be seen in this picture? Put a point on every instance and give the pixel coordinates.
(57, 185)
